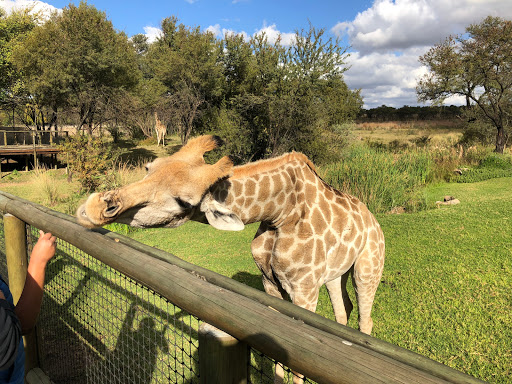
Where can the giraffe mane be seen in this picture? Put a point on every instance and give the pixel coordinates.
(261, 166)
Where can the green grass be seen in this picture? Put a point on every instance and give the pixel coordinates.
(381, 179)
(446, 289)
(492, 166)
(445, 292)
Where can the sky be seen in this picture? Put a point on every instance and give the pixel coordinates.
(385, 37)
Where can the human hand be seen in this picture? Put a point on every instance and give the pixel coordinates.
(45, 248)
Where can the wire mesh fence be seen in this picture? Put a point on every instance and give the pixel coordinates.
(99, 326)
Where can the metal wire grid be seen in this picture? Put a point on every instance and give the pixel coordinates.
(99, 326)
(261, 370)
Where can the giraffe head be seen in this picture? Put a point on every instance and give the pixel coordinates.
(172, 192)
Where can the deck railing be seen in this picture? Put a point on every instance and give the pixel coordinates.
(24, 138)
(119, 311)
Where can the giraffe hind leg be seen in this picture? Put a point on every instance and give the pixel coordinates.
(366, 279)
(341, 303)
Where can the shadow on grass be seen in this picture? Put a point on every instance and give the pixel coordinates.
(249, 279)
(97, 325)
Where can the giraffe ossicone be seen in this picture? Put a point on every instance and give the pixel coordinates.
(310, 233)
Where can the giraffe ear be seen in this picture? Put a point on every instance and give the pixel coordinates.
(220, 217)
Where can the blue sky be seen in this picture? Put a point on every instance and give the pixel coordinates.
(386, 36)
(238, 15)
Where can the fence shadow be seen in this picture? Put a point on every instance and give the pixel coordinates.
(97, 325)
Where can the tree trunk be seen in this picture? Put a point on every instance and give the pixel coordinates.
(501, 139)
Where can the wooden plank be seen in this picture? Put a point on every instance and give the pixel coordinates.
(13, 151)
(37, 376)
(222, 358)
(321, 355)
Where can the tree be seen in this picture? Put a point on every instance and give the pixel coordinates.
(77, 60)
(478, 66)
(292, 95)
(186, 61)
(13, 30)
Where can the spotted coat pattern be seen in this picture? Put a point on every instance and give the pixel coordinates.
(310, 234)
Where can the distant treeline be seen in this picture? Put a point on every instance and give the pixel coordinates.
(406, 113)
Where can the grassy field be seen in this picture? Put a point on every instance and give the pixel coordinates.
(407, 132)
(445, 292)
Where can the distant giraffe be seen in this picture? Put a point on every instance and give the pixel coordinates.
(161, 130)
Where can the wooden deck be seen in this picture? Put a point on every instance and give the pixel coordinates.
(16, 150)
(30, 147)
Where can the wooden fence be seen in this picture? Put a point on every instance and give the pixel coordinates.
(321, 349)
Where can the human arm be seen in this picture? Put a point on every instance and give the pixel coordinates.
(28, 306)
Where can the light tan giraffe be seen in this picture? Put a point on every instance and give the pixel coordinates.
(310, 233)
(161, 131)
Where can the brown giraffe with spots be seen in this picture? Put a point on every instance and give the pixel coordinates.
(161, 131)
(310, 233)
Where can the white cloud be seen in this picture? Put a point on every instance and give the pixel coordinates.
(152, 33)
(270, 31)
(400, 24)
(44, 9)
(273, 34)
(385, 78)
(221, 32)
(389, 37)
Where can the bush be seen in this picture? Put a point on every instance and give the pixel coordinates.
(380, 179)
(90, 159)
(45, 183)
(492, 166)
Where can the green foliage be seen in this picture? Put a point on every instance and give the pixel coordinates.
(91, 160)
(77, 60)
(467, 64)
(492, 166)
(13, 31)
(380, 179)
(288, 98)
(186, 62)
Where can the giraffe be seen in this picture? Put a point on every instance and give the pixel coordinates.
(161, 131)
(310, 234)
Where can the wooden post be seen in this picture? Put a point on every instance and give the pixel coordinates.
(35, 150)
(5, 137)
(17, 263)
(222, 358)
(16, 254)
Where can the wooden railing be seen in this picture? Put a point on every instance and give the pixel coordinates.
(19, 137)
(321, 349)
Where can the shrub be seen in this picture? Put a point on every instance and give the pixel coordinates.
(492, 166)
(46, 184)
(380, 179)
(90, 159)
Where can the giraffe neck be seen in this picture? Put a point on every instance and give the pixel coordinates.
(268, 190)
